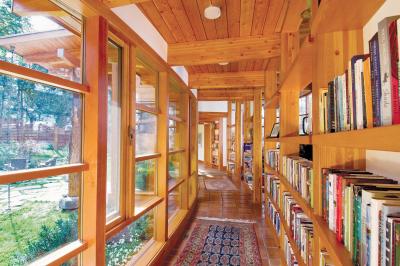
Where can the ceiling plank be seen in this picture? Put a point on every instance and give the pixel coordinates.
(117, 3)
(192, 12)
(227, 80)
(221, 24)
(261, 8)
(225, 50)
(151, 11)
(274, 11)
(233, 10)
(209, 25)
(246, 17)
(170, 19)
(184, 22)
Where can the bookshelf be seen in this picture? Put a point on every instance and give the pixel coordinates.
(336, 35)
(216, 144)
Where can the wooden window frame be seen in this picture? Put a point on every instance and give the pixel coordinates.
(124, 90)
(72, 249)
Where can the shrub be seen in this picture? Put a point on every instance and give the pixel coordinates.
(50, 238)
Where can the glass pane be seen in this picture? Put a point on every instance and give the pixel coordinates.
(40, 126)
(113, 131)
(174, 201)
(146, 85)
(37, 217)
(176, 100)
(121, 248)
(174, 134)
(146, 133)
(75, 261)
(174, 168)
(145, 181)
(50, 44)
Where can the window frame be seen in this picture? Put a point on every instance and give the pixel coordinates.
(70, 250)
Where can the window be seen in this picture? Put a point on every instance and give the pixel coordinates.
(146, 133)
(50, 44)
(113, 132)
(37, 217)
(145, 181)
(305, 114)
(174, 168)
(146, 85)
(174, 202)
(121, 248)
(146, 150)
(40, 126)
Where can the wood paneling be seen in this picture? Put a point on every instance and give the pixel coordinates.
(181, 21)
(243, 79)
(226, 50)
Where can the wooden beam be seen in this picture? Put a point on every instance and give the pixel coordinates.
(224, 50)
(227, 80)
(257, 147)
(117, 3)
(211, 116)
(225, 94)
(293, 15)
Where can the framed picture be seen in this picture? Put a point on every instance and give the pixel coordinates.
(275, 131)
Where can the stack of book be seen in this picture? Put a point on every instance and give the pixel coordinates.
(288, 251)
(273, 159)
(324, 259)
(272, 184)
(367, 94)
(274, 217)
(363, 210)
(298, 171)
(300, 226)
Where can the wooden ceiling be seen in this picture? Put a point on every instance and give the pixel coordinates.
(183, 21)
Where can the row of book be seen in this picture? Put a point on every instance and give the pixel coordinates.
(298, 171)
(272, 184)
(274, 216)
(367, 94)
(300, 226)
(288, 252)
(273, 158)
(363, 210)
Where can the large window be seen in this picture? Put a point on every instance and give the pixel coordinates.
(40, 132)
(50, 44)
(113, 131)
(146, 150)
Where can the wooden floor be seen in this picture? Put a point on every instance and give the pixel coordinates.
(232, 205)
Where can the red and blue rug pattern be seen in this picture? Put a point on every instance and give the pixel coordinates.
(215, 242)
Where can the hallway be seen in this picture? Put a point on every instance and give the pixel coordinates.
(234, 205)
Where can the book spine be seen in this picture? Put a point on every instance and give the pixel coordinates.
(350, 94)
(363, 123)
(396, 244)
(394, 59)
(359, 93)
(331, 107)
(384, 54)
(353, 87)
(339, 225)
(368, 93)
(375, 80)
(388, 239)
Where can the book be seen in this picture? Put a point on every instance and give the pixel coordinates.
(386, 211)
(367, 105)
(385, 67)
(375, 80)
(394, 59)
(331, 108)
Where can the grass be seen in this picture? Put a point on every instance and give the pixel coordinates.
(19, 226)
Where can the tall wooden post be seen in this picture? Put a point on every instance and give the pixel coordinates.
(238, 141)
(95, 141)
(257, 147)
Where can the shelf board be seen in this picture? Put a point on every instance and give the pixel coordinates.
(307, 139)
(337, 250)
(341, 15)
(378, 138)
(299, 75)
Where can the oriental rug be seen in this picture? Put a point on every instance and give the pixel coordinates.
(221, 242)
(219, 184)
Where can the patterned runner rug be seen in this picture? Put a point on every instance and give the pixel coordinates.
(219, 184)
(221, 242)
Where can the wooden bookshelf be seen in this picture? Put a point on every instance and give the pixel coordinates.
(287, 232)
(336, 35)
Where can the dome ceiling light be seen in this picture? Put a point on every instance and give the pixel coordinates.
(212, 12)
